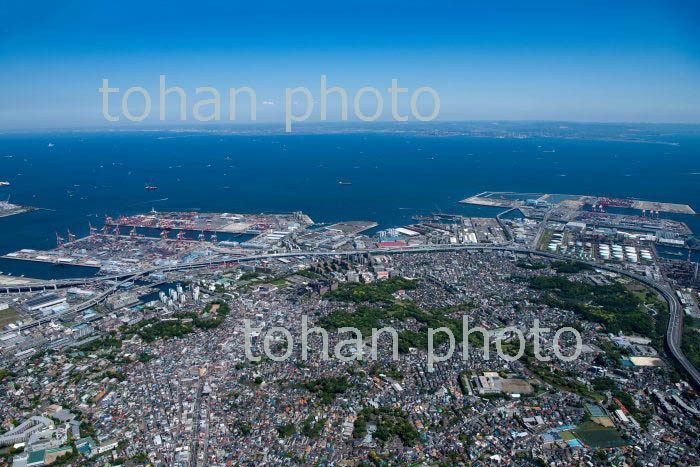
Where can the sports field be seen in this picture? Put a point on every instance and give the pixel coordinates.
(597, 436)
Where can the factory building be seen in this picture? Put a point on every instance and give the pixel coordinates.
(44, 302)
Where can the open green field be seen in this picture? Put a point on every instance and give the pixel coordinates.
(567, 435)
(281, 283)
(597, 436)
(545, 239)
(7, 316)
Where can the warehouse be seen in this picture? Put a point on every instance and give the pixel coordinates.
(44, 301)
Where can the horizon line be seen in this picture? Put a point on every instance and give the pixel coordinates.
(247, 125)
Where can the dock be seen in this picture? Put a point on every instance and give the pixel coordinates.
(512, 199)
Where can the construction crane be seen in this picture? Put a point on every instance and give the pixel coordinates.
(71, 237)
(93, 230)
(59, 240)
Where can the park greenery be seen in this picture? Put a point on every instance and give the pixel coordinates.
(532, 265)
(145, 357)
(327, 388)
(87, 430)
(286, 430)
(244, 428)
(247, 276)
(561, 379)
(613, 305)
(391, 423)
(153, 328)
(219, 309)
(690, 343)
(570, 267)
(602, 383)
(312, 429)
(107, 342)
(374, 292)
(365, 318)
(179, 325)
(309, 274)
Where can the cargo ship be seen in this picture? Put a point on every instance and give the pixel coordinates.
(674, 253)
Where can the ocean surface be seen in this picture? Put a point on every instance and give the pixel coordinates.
(78, 178)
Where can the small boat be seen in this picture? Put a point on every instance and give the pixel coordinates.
(4, 183)
(151, 187)
(345, 183)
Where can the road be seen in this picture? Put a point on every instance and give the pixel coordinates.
(541, 229)
(197, 428)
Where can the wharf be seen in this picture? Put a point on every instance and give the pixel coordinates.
(213, 222)
(7, 209)
(512, 199)
(42, 257)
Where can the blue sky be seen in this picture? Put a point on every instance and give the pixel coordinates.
(579, 60)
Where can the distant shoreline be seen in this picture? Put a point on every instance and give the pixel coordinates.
(615, 132)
